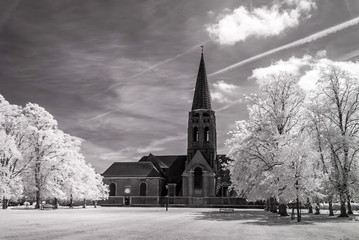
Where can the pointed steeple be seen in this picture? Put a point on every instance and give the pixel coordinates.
(202, 96)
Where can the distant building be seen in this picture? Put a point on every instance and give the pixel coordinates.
(197, 175)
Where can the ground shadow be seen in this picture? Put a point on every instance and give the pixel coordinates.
(261, 217)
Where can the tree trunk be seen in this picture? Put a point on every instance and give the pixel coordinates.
(267, 208)
(349, 206)
(84, 205)
(317, 209)
(37, 205)
(309, 205)
(310, 208)
(71, 202)
(4, 203)
(343, 210)
(56, 204)
(331, 212)
(299, 217)
(273, 205)
(292, 215)
(283, 210)
(37, 183)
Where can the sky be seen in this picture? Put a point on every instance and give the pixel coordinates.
(120, 75)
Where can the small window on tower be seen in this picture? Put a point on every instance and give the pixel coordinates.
(206, 134)
(195, 134)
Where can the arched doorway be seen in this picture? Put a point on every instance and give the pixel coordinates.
(112, 189)
(198, 178)
(143, 188)
(198, 181)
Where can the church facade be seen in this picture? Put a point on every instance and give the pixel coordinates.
(198, 174)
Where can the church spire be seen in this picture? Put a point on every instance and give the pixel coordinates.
(202, 96)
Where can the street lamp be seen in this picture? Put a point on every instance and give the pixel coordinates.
(127, 194)
(167, 198)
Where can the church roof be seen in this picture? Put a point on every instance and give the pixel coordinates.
(132, 169)
(202, 95)
(164, 161)
(170, 159)
(171, 166)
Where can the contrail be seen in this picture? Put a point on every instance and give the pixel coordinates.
(297, 43)
(349, 55)
(101, 115)
(156, 66)
(169, 60)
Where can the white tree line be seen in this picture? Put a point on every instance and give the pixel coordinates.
(39, 161)
(299, 144)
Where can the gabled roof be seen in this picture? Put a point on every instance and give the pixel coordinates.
(202, 95)
(164, 161)
(198, 160)
(132, 169)
(170, 159)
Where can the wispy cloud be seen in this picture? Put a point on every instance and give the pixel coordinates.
(7, 14)
(159, 144)
(155, 66)
(224, 92)
(311, 38)
(307, 68)
(349, 55)
(98, 116)
(265, 21)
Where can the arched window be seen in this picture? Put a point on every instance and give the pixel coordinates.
(198, 178)
(112, 189)
(195, 134)
(206, 134)
(143, 188)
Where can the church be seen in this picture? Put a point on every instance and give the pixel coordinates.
(192, 179)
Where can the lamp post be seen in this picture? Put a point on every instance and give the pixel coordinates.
(167, 198)
(127, 195)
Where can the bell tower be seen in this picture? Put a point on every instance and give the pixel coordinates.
(200, 175)
(202, 121)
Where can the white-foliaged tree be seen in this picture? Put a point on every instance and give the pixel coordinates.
(40, 161)
(270, 150)
(334, 110)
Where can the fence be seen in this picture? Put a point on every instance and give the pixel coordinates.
(178, 201)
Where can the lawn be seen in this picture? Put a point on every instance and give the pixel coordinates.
(178, 223)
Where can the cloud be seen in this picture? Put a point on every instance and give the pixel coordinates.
(307, 68)
(224, 92)
(309, 79)
(292, 66)
(158, 145)
(311, 38)
(242, 23)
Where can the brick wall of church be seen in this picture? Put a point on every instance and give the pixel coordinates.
(154, 186)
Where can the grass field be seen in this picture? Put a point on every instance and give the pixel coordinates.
(177, 223)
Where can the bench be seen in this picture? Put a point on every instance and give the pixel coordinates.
(226, 210)
(47, 206)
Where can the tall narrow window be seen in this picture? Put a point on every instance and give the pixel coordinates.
(112, 189)
(195, 134)
(143, 189)
(198, 178)
(206, 134)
